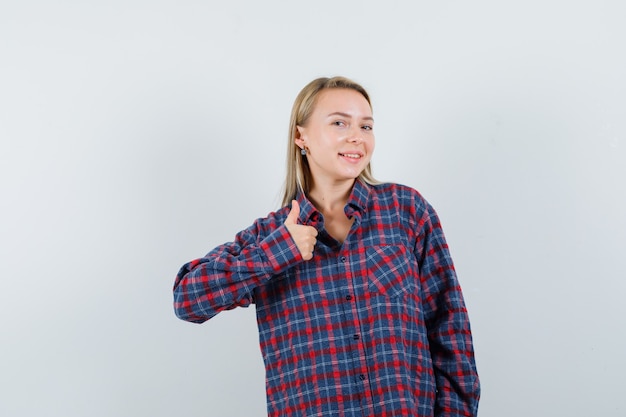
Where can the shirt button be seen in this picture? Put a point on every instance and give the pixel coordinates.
(356, 337)
(343, 259)
(348, 297)
(362, 377)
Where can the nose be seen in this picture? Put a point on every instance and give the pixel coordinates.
(356, 135)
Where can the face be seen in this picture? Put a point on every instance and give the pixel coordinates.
(338, 137)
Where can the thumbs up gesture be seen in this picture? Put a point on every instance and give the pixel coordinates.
(304, 236)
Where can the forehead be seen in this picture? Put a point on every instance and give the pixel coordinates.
(342, 100)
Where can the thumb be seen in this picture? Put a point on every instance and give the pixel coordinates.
(292, 217)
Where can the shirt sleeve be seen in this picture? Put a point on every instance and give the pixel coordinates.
(226, 277)
(447, 322)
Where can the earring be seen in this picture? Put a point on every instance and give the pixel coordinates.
(303, 152)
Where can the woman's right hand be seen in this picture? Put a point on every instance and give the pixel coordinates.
(303, 235)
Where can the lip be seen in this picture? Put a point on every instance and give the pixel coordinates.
(351, 160)
(345, 154)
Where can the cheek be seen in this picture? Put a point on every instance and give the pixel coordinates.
(321, 137)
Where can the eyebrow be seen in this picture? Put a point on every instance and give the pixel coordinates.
(346, 115)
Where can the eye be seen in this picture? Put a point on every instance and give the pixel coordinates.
(339, 123)
(367, 127)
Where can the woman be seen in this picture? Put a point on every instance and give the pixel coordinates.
(358, 306)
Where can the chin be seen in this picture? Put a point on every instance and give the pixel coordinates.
(353, 175)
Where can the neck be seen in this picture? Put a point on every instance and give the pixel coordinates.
(331, 197)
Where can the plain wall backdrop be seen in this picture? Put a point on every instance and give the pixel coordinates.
(138, 135)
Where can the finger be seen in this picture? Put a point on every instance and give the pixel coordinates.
(294, 213)
(307, 247)
(292, 217)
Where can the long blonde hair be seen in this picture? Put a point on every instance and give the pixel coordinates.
(298, 172)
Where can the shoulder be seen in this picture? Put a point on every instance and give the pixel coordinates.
(273, 219)
(400, 194)
(264, 226)
(390, 188)
(401, 208)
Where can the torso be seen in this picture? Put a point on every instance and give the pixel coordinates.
(309, 314)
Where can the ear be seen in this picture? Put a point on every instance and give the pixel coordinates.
(300, 138)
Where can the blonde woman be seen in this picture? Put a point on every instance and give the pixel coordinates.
(359, 309)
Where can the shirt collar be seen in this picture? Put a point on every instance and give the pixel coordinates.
(359, 198)
(357, 204)
(308, 213)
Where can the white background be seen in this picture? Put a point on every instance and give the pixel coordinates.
(137, 135)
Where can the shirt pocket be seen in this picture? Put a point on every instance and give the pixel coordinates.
(390, 270)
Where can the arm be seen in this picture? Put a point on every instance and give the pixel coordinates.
(226, 277)
(447, 322)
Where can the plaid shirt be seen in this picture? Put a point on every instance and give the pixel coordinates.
(373, 327)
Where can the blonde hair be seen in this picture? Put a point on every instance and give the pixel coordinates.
(298, 176)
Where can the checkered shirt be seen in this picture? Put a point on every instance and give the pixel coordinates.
(375, 326)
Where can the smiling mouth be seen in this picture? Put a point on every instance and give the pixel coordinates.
(351, 155)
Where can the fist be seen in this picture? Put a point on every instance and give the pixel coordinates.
(304, 236)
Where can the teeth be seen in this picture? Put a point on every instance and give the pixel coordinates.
(351, 155)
